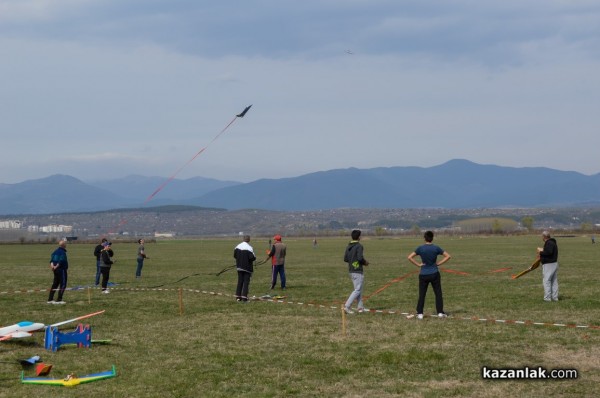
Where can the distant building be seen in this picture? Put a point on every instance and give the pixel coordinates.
(50, 228)
(11, 224)
(164, 234)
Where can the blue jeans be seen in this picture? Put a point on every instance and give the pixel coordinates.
(138, 271)
(358, 282)
(97, 272)
(278, 270)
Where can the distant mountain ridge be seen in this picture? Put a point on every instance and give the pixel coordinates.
(138, 188)
(454, 184)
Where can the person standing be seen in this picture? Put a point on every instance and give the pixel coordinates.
(277, 255)
(356, 261)
(429, 273)
(106, 256)
(141, 255)
(244, 262)
(549, 260)
(59, 265)
(97, 253)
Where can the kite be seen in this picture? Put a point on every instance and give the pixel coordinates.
(533, 266)
(70, 380)
(244, 111)
(164, 184)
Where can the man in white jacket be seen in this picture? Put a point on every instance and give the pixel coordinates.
(244, 262)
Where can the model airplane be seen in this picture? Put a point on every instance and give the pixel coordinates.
(70, 380)
(533, 266)
(26, 328)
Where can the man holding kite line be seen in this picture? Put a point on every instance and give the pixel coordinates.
(549, 259)
(244, 262)
(277, 254)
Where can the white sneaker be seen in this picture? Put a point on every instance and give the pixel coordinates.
(50, 302)
(442, 315)
(106, 291)
(419, 316)
(60, 302)
(361, 310)
(348, 310)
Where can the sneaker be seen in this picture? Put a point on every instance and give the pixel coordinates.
(50, 302)
(419, 316)
(361, 310)
(348, 310)
(106, 291)
(60, 302)
(442, 315)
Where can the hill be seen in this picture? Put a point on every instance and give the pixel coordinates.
(452, 185)
(455, 184)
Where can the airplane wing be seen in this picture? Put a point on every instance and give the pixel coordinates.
(71, 380)
(16, 335)
(25, 328)
(21, 329)
(77, 319)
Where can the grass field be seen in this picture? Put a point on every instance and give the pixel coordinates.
(212, 346)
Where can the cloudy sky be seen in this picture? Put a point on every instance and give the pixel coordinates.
(101, 89)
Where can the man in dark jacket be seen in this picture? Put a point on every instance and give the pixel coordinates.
(59, 265)
(354, 257)
(105, 265)
(244, 262)
(97, 253)
(549, 260)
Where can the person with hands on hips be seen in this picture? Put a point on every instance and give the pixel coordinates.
(429, 273)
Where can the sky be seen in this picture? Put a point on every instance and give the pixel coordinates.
(102, 89)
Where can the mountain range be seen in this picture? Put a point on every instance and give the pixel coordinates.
(454, 184)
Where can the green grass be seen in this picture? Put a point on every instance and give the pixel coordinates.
(220, 348)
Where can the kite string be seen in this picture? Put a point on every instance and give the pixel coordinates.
(172, 177)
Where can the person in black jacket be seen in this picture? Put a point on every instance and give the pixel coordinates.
(549, 260)
(106, 263)
(355, 259)
(244, 262)
(97, 252)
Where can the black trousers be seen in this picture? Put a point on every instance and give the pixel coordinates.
(436, 283)
(243, 285)
(105, 271)
(59, 282)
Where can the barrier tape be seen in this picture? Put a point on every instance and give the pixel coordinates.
(408, 315)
